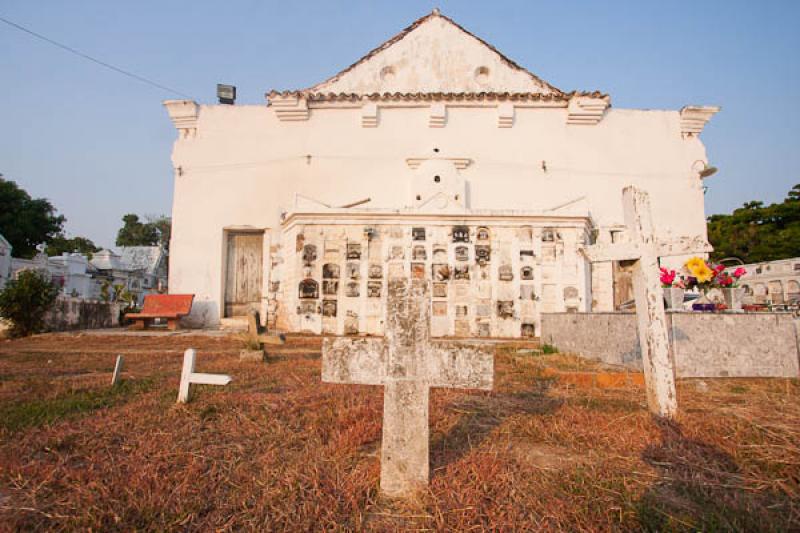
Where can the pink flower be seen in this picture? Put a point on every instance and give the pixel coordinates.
(739, 272)
(667, 277)
(719, 268)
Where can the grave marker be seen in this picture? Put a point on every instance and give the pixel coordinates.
(643, 250)
(189, 376)
(407, 363)
(115, 377)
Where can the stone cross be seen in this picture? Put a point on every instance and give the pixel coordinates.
(643, 249)
(115, 377)
(189, 376)
(407, 363)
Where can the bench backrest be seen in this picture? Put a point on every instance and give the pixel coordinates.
(168, 304)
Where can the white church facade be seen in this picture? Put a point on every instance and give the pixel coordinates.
(433, 157)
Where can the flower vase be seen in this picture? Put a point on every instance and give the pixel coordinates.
(703, 304)
(733, 297)
(673, 298)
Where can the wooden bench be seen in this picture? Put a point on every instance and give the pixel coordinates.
(169, 306)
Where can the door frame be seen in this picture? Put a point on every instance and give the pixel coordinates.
(266, 267)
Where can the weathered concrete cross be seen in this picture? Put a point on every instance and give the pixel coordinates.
(407, 363)
(643, 249)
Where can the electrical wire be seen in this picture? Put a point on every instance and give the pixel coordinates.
(95, 60)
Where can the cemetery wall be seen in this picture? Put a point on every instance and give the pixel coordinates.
(704, 345)
(76, 313)
(488, 280)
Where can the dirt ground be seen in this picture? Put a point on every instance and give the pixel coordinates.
(279, 450)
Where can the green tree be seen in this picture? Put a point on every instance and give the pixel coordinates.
(163, 225)
(136, 233)
(25, 300)
(757, 232)
(26, 222)
(60, 244)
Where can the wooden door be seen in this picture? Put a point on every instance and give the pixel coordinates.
(243, 273)
(623, 284)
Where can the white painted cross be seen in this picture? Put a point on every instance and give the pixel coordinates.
(643, 249)
(189, 376)
(115, 377)
(407, 363)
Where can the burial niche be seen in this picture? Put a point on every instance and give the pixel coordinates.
(460, 234)
(330, 287)
(528, 330)
(505, 273)
(482, 253)
(353, 270)
(374, 289)
(418, 234)
(526, 273)
(482, 234)
(505, 308)
(461, 272)
(309, 254)
(462, 253)
(330, 271)
(308, 289)
(352, 290)
(418, 253)
(354, 250)
(329, 308)
(375, 271)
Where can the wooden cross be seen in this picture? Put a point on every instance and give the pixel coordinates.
(407, 363)
(189, 376)
(643, 249)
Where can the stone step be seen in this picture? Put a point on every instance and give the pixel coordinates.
(236, 324)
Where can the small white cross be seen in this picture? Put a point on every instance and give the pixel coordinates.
(189, 376)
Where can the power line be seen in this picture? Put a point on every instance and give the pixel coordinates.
(95, 60)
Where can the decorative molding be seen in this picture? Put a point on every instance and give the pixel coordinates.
(369, 115)
(459, 162)
(183, 114)
(586, 110)
(694, 118)
(438, 116)
(289, 108)
(505, 115)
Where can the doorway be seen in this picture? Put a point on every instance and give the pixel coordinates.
(243, 272)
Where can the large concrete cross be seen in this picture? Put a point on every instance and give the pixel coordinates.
(643, 249)
(407, 363)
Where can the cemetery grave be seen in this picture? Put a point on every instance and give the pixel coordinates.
(277, 449)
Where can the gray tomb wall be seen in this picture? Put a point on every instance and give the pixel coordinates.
(703, 344)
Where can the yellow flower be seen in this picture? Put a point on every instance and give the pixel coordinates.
(704, 274)
(694, 265)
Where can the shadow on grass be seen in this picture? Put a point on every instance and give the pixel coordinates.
(17, 416)
(702, 488)
(482, 414)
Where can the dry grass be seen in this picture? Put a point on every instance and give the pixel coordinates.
(278, 450)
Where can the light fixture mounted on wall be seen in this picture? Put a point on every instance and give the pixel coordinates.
(703, 170)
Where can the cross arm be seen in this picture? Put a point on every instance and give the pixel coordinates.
(460, 365)
(627, 251)
(357, 361)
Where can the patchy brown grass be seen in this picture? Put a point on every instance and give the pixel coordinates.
(278, 450)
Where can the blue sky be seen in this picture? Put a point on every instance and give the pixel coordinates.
(97, 144)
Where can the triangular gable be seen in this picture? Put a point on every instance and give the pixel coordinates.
(434, 55)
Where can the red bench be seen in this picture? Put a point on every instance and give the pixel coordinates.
(169, 306)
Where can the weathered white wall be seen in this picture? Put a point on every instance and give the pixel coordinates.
(243, 167)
